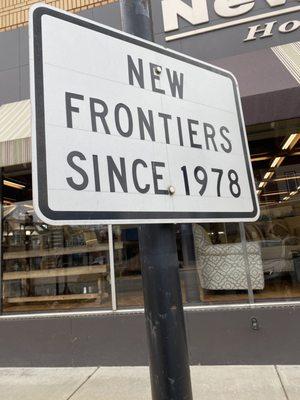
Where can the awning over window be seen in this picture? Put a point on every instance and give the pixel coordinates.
(269, 81)
(289, 55)
(15, 133)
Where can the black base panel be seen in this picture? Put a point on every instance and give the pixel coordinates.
(218, 337)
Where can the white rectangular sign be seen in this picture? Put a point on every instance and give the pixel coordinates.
(125, 131)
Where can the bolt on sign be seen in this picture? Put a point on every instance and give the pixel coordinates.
(126, 131)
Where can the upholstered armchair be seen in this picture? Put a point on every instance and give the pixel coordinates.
(222, 266)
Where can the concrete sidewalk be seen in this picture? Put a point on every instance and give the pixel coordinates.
(132, 383)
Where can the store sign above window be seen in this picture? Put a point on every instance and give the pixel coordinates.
(126, 131)
(198, 13)
(246, 24)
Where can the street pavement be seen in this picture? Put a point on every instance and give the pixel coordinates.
(132, 383)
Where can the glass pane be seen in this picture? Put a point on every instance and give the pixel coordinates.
(212, 264)
(275, 150)
(205, 278)
(127, 267)
(49, 267)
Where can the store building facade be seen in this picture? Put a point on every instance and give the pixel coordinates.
(72, 295)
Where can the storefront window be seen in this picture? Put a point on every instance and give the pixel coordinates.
(210, 273)
(269, 266)
(49, 267)
(275, 150)
(67, 267)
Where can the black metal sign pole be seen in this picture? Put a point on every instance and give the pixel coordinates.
(168, 352)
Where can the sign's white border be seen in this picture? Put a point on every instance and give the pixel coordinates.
(39, 163)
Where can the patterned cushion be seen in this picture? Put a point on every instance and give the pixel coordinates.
(201, 236)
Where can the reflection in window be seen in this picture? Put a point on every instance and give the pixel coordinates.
(273, 242)
(275, 150)
(67, 267)
(49, 267)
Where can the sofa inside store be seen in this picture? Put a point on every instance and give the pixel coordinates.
(58, 268)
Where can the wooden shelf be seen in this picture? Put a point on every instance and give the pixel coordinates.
(59, 251)
(56, 272)
(62, 297)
